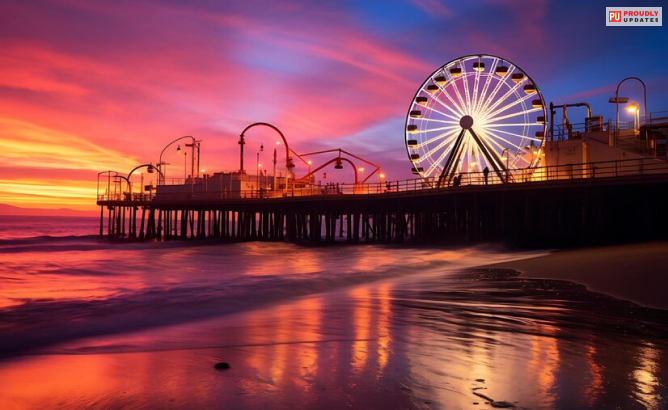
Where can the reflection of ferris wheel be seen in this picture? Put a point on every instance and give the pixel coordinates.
(473, 113)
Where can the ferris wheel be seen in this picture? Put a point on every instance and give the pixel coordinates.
(475, 112)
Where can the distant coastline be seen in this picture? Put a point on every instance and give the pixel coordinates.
(10, 210)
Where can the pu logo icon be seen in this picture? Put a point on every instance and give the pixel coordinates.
(615, 16)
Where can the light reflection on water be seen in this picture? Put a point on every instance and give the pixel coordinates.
(391, 345)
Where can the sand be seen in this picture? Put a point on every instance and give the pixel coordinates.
(636, 272)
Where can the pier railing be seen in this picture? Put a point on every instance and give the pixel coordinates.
(561, 173)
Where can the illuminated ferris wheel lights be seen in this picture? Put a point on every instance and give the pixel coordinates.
(468, 113)
(530, 89)
(517, 77)
(501, 71)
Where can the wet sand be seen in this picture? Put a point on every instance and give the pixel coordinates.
(637, 272)
(467, 339)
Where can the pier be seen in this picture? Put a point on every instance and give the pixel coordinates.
(607, 202)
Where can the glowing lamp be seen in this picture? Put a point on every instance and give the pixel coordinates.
(632, 107)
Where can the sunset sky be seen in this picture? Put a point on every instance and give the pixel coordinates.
(88, 86)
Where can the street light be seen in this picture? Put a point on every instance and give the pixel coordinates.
(634, 108)
(258, 166)
(160, 163)
(361, 170)
(617, 100)
(185, 166)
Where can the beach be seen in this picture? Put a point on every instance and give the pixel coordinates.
(88, 324)
(635, 272)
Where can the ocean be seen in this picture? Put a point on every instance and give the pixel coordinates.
(90, 323)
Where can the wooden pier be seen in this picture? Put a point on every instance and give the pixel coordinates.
(532, 214)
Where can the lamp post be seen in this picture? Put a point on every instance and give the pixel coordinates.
(273, 187)
(194, 143)
(288, 160)
(185, 166)
(258, 167)
(617, 99)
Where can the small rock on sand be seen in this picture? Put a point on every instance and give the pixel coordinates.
(222, 366)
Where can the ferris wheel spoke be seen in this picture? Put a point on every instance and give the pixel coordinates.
(436, 138)
(440, 159)
(489, 153)
(440, 112)
(435, 129)
(489, 133)
(475, 91)
(511, 105)
(512, 133)
(498, 102)
(459, 112)
(467, 92)
(452, 109)
(439, 146)
(452, 83)
(515, 114)
(495, 91)
(488, 81)
(455, 124)
(452, 160)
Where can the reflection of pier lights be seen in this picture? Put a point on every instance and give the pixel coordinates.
(193, 144)
(617, 99)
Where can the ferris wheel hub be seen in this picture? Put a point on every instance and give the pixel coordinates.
(466, 122)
